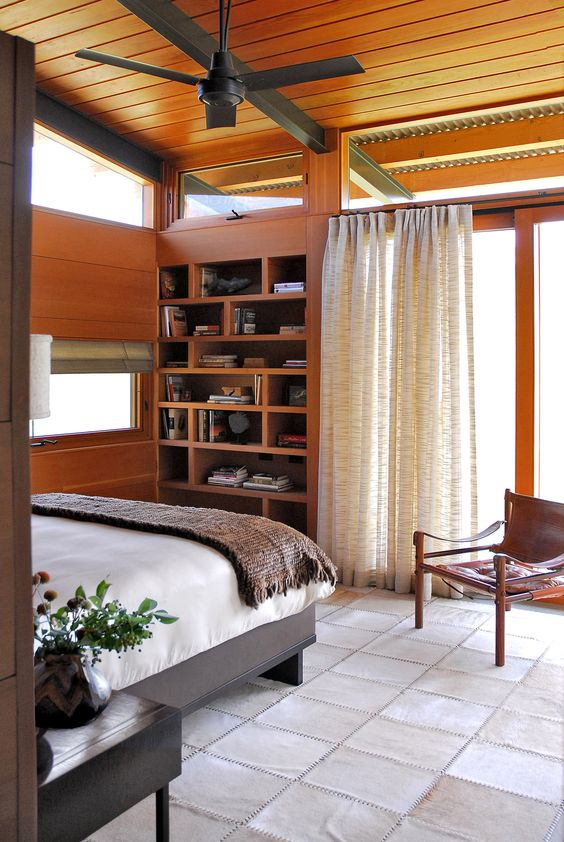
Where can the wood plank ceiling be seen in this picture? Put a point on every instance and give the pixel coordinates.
(423, 58)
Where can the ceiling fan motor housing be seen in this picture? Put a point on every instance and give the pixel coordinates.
(221, 87)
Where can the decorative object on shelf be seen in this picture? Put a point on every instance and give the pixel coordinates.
(229, 286)
(297, 395)
(212, 284)
(239, 425)
(255, 362)
(69, 691)
(237, 391)
(168, 282)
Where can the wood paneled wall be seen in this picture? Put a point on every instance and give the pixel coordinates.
(17, 736)
(93, 280)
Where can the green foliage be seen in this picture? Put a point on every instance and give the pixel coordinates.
(89, 624)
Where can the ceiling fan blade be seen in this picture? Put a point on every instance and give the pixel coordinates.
(295, 74)
(129, 64)
(220, 116)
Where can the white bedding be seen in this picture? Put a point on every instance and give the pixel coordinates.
(194, 582)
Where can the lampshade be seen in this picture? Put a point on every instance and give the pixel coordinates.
(39, 373)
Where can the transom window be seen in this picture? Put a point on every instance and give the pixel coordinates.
(68, 178)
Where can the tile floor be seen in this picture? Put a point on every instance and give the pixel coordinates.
(395, 734)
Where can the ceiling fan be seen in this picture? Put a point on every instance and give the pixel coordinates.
(222, 89)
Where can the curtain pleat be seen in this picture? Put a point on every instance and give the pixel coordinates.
(397, 437)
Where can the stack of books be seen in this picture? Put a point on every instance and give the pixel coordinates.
(290, 286)
(291, 440)
(231, 399)
(218, 361)
(229, 476)
(177, 364)
(244, 320)
(269, 482)
(294, 364)
(173, 321)
(292, 329)
(206, 330)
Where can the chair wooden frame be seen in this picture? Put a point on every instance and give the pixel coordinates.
(533, 539)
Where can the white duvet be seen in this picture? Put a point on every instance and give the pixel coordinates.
(194, 582)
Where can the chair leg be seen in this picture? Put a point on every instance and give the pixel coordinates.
(419, 580)
(500, 607)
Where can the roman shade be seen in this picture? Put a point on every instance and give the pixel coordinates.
(77, 356)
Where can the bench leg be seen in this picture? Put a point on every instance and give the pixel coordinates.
(162, 815)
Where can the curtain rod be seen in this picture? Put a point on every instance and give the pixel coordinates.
(502, 204)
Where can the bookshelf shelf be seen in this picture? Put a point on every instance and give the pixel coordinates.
(184, 464)
(293, 496)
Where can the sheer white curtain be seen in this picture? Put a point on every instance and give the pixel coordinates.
(397, 436)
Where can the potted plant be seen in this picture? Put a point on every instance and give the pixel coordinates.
(69, 691)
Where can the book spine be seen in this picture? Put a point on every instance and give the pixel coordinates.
(164, 421)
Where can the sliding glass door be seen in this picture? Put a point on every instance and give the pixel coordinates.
(549, 370)
(494, 361)
(519, 337)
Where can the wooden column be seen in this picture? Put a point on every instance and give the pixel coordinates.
(17, 736)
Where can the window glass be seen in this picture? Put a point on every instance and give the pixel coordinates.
(371, 184)
(65, 179)
(82, 403)
(550, 395)
(494, 367)
(250, 185)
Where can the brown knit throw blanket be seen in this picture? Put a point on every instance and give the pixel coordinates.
(267, 557)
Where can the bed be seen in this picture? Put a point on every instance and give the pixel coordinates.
(223, 637)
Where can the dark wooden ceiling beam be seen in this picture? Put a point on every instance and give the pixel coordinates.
(75, 126)
(181, 31)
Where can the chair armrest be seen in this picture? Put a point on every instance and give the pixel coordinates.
(478, 537)
(551, 564)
